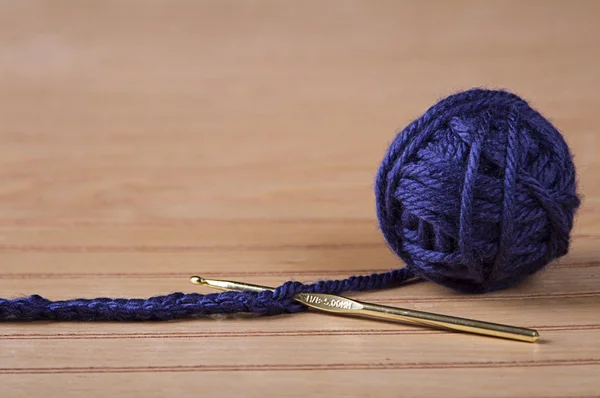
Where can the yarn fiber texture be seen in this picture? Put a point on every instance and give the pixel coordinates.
(476, 194)
(180, 305)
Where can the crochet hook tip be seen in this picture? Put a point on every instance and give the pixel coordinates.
(197, 280)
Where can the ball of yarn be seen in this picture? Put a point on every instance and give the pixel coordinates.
(478, 193)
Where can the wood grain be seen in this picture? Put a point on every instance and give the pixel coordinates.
(146, 141)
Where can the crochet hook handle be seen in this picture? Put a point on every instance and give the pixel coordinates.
(344, 306)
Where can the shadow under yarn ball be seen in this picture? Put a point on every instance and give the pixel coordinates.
(478, 193)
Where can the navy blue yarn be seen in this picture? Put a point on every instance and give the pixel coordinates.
(478, 193)
(180, 305)
(475, 195)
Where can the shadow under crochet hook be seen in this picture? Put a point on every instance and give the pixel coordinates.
(344, 306)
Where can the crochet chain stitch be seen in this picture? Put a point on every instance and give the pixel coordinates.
(180, 305)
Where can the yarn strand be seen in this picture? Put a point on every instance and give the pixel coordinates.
(180, 305)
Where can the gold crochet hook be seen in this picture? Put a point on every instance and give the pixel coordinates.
(345, 306)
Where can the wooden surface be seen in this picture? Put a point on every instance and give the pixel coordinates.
(146, 141)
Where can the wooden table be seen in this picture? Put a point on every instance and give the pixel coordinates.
(146, 141)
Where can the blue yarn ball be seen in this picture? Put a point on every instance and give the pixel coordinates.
(478, 193)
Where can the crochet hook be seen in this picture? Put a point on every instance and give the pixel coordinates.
(345, 306)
